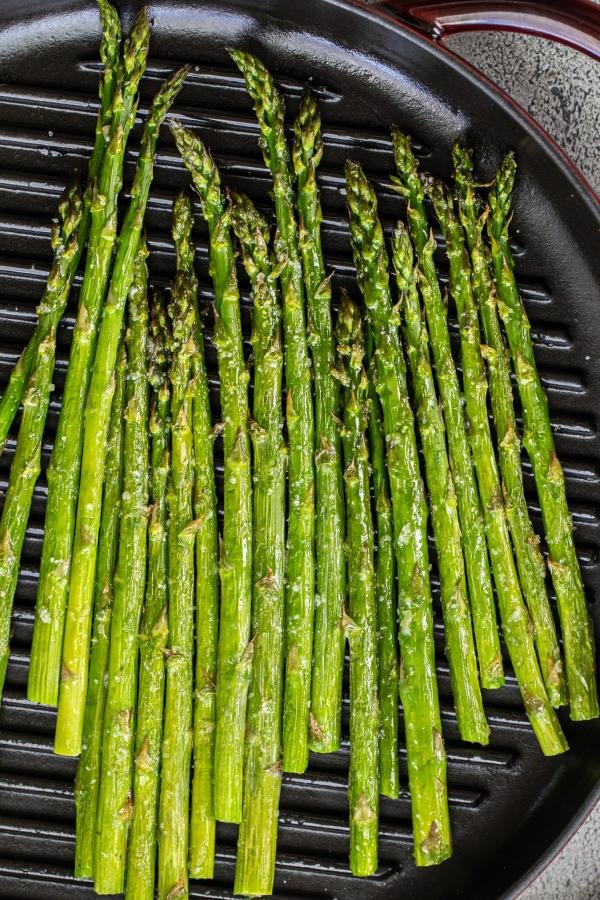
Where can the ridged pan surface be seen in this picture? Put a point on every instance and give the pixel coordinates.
(508, 803)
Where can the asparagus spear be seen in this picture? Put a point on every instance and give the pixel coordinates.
(418, 687)
(516, 624)
(177, 738)
(202, 818)
(234, 655)
(109, 54)
(87, 781)
(115, 805)
(73, 685)
(385, 592)
(25, 467)
(15, 389)
(65, 464)
(326, 698)
(469, 509)
(539, 444)
(460, 645)
(331, 574)
(361, 627)
(257, 842)
(141, 850)
(530, 562)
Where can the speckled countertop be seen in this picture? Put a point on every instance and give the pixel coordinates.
(561, 89)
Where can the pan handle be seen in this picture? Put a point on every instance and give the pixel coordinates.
(576, 23)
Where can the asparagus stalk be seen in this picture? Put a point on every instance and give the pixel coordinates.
(115, 804)
(109, 54)
(15, 389)
(385, 592)
(87, 782)
(516, 624)
(177, 737)
(257, 841)
(141, 850)
(65, 464)
(361, 627)
(549, 477)
(331, 574)
(530, 562)
(469, 508)
(25, 467)
(460, 645)
(418, 687)
(202, 818)
(73, 685)
(234, 655)
(325, 707)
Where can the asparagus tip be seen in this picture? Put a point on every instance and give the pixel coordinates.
(111, 29)
(349, 321)
(402, 256)
(182, 216)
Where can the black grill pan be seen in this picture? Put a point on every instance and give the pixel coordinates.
(509, 805)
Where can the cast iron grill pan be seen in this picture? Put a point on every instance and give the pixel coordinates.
(508, 803)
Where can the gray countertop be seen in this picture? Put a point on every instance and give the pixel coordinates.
(560, 87)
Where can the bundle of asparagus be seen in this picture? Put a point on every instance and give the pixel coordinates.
(184, 719)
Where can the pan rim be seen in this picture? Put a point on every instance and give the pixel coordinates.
(377, 13)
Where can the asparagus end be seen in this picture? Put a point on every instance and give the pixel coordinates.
(462, 160)
(366, 233)
(182, 218)
(166, 95)
(111, 32)
(258, 78)
(308, 139)
(182, 314)
(135, 51)
(251, 229)
(402, 257)
(159, 340)
(501, 192)
(270, 111)
(200, 164)
(350, 345)
(70, 210)
(442, 200)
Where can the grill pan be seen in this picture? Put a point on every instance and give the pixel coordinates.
(509, 805)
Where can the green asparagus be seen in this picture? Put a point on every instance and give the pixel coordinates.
(530, 562)
(87, 781)
(516, 624)
(173, 820)
(257, 841)
(73, 684)
(65, 464)
(202, 819)
(141, 849)
(460, 645)
(469, 509)
(549, 477)
(331, 572)
(109, 54)
(361, 624)
(115, 803)
(26, 464)
(385, 592)
(418, 687)
(234, 656)
(325, 710)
